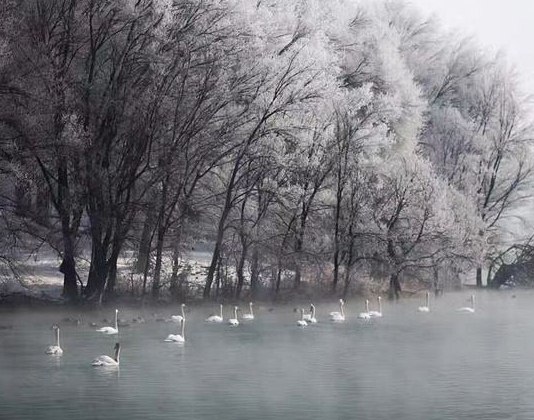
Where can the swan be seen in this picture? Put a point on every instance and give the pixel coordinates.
(108, 361)
(338, 316)
(425, 308)
(216, 318)
(177, 338)
(250, 315)
(301, 322)
(365, 315)
(377, 314)
(311, 316)
(57, 350)
(469, 309)
(234, 321)
(178, 318)
(111, 330)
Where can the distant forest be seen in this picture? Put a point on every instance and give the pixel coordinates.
(304, 143)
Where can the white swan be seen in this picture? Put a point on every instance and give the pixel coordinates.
(338, 316)
(112, 330)
(301, 322)
(250, 315)
(56, 350)
(469, 309)
(234, 321)
(108, 361)
(216, 318)
(177, 338)
(425, 308)
(311, 316)
(377, 314)
(365, 315)
(178, 318)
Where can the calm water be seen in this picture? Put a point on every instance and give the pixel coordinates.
(407, 365)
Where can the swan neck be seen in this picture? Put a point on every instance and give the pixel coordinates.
(117, 354)
(427, 300)
(220, 307)
(380, 305)
(116, 320)
(183, 313)
(235, 313)
(57, 337)
(341, 307)
(183, 328)
(313, 311)
(250, 306)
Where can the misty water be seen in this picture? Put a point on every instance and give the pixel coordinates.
(406, 365)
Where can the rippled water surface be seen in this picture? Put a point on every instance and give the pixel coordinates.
(407, 365)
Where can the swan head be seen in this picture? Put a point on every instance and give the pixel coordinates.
(341, 301)
(116, 311)
(117, 347)
(312, 307)
(379, 298)
(54, 327)
(183, 305)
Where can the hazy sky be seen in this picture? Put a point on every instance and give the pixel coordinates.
(499, 24)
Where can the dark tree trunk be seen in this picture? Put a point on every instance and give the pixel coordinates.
(157, 265)
(394, 286)
(240, 271)
(254, 273)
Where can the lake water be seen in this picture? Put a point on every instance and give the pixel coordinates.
(406, 365)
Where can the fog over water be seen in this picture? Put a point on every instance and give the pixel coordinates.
(407, 365)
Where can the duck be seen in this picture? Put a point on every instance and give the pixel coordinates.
(377, 314)
(107, 361)
(177, 338)
(365, 315)
(250, 315)
(56, 349)
(178, 318)
(216, 318)
(469, 309)
(111, 330)
(234, 321)
(310, 318)
(425, 308)
(338, 316)
(301, 322)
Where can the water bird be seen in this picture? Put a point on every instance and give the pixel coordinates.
(365, 315)
(177, 338)
(56, 350)
(108, 361)
(377, 314)
(338, 316)
(111, 330)
(469, 309)
(234, 321)
(311, 316)
(250, 314)
(301, 322)
(178, 318)
(216, 318)
(425, 308)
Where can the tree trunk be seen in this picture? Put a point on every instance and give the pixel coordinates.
(394, 287)
(145, 243)
(240, 271)
(97, 271)
(479, 276)
(157, 266)
(254, 273)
